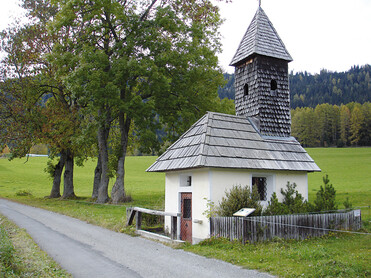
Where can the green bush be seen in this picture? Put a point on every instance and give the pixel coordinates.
(326, 197)
(347, 204)
(6, 250)
(275, 207)
(293, 202)
(240, 197)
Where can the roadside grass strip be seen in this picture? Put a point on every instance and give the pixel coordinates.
(21, 257)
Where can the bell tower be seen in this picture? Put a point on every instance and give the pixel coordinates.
(261, 78)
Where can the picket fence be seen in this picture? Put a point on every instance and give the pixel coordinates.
(262, 228)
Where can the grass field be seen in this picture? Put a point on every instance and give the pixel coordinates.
(349, 170)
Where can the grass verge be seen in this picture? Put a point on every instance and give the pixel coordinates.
(21, 257)
(334, 255)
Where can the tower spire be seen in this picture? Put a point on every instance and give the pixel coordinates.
(260, 3)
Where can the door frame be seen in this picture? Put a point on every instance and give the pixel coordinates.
(190, 233)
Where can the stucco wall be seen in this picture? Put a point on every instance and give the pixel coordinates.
(211, 184)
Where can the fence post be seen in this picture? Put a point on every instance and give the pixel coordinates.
(174, 226)
(139, 220)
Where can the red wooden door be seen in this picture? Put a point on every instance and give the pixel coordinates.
(186, 218)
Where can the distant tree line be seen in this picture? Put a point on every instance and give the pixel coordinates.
(307, 90)
(332, 125)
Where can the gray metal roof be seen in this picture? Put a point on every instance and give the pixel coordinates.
(226, 141)
(261, 38)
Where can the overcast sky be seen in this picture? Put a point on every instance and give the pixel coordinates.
(319, 34)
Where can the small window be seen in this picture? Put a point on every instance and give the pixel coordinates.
(187, 208)
(261, 183)
(273, 85)
(246, 90)
(185, 180)
(189, 181)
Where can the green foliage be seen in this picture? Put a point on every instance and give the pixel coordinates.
(212, 209)
(331, 87)
(308, 90)
(23, 193)
(326, 197)
(332, 125)
(347, 204)
(50, 168)
(6, 250)
(293, 202)
(240, 197)
(275, 207)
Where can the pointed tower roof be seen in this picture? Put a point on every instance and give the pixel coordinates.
(261, 38)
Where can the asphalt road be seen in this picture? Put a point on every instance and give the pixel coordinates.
(86, 250)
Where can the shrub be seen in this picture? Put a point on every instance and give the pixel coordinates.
(325, 199)
(275, 207)
(293, 200)
(240, 197)
(23, 193)
(347, 204)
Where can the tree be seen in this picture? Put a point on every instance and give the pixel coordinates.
(326, 197)
(293, 201)
(148, 62)
(344, 124)
(275, 207)
(36, 107)
(356, 121)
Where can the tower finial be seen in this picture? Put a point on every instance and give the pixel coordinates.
(260, 3)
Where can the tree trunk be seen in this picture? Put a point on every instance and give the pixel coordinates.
(118, 191)
(97, 178)
(103, 133)
(68, 191)
(57, 176)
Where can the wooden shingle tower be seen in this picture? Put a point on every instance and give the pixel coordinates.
(261, 78)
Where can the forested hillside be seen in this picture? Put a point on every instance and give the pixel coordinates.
(307, 90)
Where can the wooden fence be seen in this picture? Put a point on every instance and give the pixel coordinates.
(261, 228)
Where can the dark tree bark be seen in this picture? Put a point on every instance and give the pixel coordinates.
(118, 190)
(68, 191)
(103, 133)
(97, 178)
(57, 176)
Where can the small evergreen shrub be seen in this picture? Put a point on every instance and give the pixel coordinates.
(275, 207)
(293, 202)
(240, 197)
(347, 204)
(326, 197)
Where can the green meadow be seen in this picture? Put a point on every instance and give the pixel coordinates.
(349, 170)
